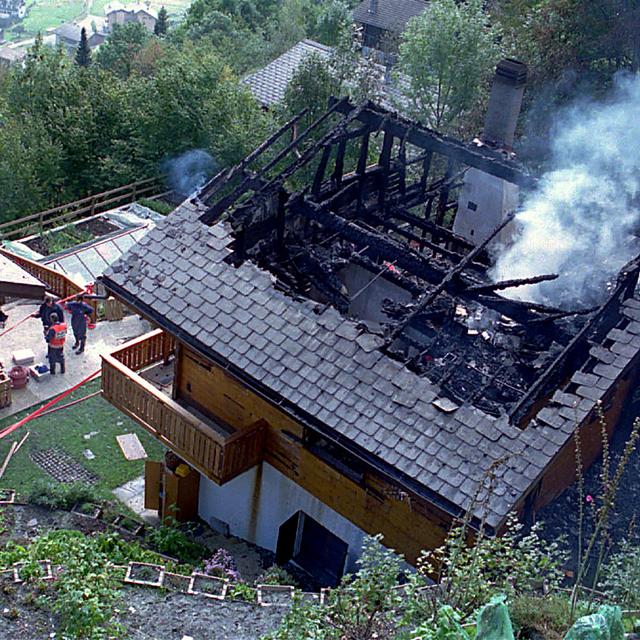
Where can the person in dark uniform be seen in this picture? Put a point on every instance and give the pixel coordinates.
(56, 335)
(47, 308)
(80, 310)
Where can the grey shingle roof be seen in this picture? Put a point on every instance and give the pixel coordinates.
(269, 84)
(321, 365)
(390, 15)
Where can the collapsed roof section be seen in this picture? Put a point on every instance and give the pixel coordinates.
(356, 212)
(319, 266)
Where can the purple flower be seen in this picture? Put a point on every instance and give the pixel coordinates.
(223, 565)
(589, 498)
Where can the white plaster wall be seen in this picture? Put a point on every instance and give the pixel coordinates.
(495, 199)
(257, 502)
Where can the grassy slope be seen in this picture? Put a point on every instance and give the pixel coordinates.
(65, 430)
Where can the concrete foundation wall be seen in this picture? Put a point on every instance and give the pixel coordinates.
(255, 504)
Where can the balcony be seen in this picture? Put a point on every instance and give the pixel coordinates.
(217, 450)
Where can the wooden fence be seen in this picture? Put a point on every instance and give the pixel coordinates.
(46, 220)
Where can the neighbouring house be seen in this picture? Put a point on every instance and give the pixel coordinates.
(383, 21)
(270, 83)
(11, 55)
(119, 14)
(68, 35)
(11, 11)
(333, 360)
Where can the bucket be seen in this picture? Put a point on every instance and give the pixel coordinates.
(19, 376)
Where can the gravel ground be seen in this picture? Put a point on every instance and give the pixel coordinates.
(154, 615)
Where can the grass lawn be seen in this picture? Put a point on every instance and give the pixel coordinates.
(45, 14)
(65, 430)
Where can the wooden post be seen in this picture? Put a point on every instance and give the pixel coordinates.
(384, 161)
(283, 196)
(339, 168)
(322, 166)
(361, 169)
(444, 192)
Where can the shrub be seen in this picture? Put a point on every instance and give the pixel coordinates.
(242, 591)
(159, 206)
(53, 495)
(548, 616)
(621, 577)
(172, 541)
(514, 563)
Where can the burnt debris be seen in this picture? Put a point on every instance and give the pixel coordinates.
(356, 211)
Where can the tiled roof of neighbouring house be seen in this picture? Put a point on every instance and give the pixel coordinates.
(390, 15)
(269, 84)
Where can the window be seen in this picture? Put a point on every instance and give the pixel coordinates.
(472, 206)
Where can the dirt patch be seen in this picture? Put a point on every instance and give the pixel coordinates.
(154, 615)
(70, 236)
(97, 227)
(20, 616)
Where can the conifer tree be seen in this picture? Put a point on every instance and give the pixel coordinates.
(83, 54)
(161, 24)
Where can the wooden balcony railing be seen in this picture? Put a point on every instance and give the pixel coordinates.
(219, 457)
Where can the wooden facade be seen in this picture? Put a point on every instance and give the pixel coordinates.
(262, 432)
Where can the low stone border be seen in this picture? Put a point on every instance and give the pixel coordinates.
(44, 564)
(270, 595)
(136, 566)
(220, 583)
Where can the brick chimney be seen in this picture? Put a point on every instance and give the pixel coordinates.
(504, 103)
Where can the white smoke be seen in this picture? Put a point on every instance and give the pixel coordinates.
(581, 220)
(190, 171)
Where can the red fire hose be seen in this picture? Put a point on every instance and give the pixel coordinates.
(89, 290)
(5, 432)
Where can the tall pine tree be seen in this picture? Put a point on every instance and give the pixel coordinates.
(161, 24)
(83, 54)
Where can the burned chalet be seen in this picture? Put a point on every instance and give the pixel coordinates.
(333, 360)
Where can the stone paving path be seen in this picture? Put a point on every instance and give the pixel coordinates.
(102, 339)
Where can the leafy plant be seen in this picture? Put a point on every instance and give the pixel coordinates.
(276, 574)
(242, 591)
(515, 563)
(159, 206)
(365, 605)
(172, 541)
(621, 577)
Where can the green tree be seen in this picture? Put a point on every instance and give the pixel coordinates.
(161, 24)
(83, 54)
(446, 57)
(118, 52)
(331, 22)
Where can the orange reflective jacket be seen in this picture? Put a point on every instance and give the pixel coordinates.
(59, 335)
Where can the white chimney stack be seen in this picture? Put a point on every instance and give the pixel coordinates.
(486, 200)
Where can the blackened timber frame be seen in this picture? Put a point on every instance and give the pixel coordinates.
(482, 158)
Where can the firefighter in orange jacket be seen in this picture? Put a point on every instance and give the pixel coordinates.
(56, 336)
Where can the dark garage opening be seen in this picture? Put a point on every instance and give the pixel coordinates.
(303, 540)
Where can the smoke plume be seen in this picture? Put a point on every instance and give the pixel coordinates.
(582, 219)
(190, 171)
